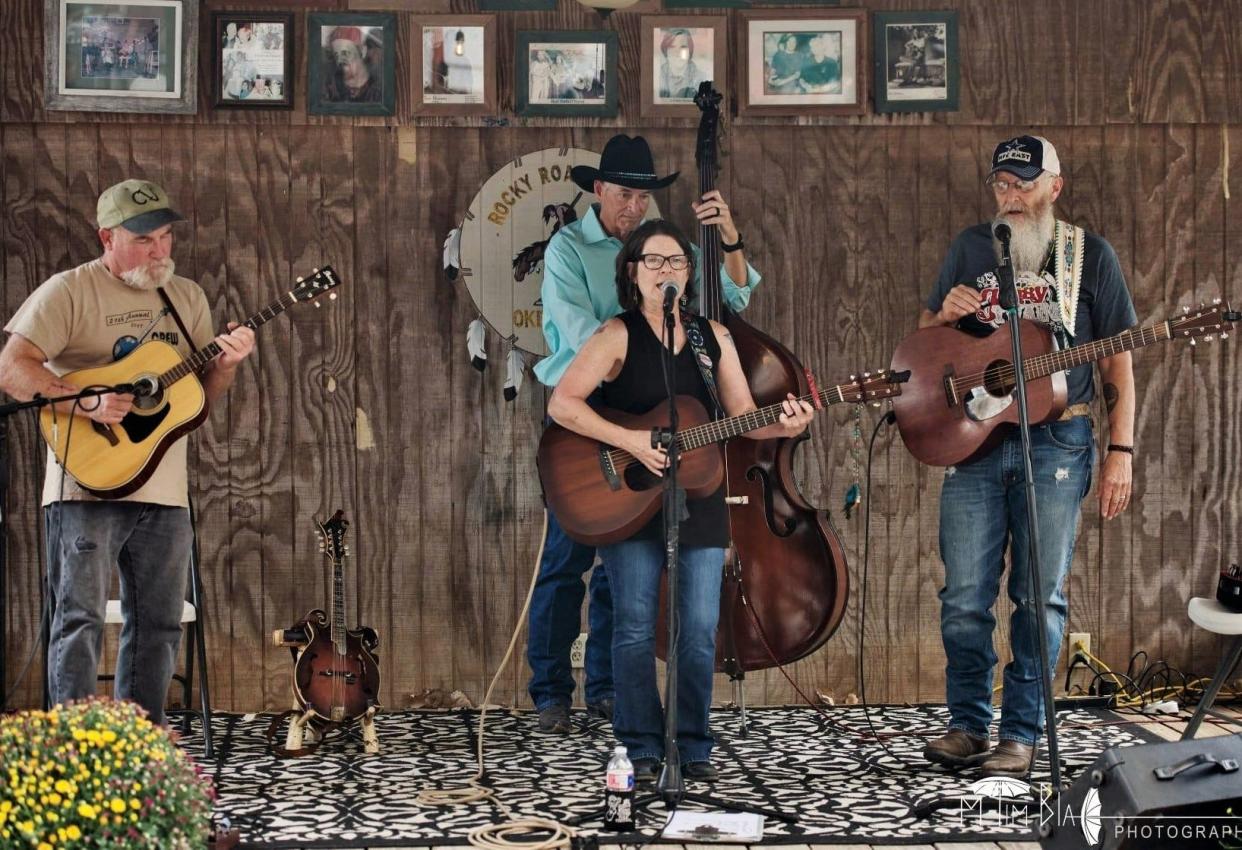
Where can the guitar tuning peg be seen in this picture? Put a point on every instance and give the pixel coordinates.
(875, 404)
(317, 305)
(1193, 340)
(1209, 337)
(853, 377)
(1215, 300)
(315, 271)
(331, 296)
(1185, 309)
(866, 374)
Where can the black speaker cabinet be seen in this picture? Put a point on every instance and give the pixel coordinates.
(1153, 796)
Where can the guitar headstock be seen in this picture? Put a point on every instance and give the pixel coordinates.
(332, 536)
(873, 386)
(319, 282)
(1208, 321)
(708, 102)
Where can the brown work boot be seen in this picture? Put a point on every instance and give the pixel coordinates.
(957, 749)
(1010, 758)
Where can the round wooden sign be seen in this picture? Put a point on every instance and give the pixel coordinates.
(507, 226)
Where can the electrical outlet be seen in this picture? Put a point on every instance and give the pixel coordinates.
(1079, 639)
(577, 652)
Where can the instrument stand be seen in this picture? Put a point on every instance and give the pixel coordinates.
(731, 592)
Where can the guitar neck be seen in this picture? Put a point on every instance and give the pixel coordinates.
(726, 429)
(338, 604)
(211, 350)
(1042, 365)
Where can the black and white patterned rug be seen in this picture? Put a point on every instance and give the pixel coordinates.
(827, 770)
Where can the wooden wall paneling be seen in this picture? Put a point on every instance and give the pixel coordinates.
(934, 201)
(1115, 219)
(1081, 155)
(471, 559)
(492, 563)
(243, 409)
(21, 54)
(1090, 64)
(1047, 68)
(83, 191)
(211, 441)
(23, 558)
(274, 499)
(436, 347)
(1122, 35)
(873, 194)
(403, 651)
(1181, 363)
(991, 80)
(1185, 61)
(308, 333)
(1153, 494)
(1151, 72)
(373, 565)
(1221, 43)
(1210, 428)
(903, 499)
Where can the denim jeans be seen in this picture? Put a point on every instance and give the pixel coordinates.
(555, 614)
(150, 545)
(983, 509)
(634, 569)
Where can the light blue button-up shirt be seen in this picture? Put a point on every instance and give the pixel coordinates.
(579, 290)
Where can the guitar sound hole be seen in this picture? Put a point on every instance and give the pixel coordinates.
(639, 478)
(993, 381)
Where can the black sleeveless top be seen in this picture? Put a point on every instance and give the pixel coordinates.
(640, 387)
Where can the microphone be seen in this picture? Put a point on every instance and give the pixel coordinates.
(1001, 231)
(669, 290)
(143, 387)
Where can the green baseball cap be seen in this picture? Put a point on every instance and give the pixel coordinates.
(137, 205)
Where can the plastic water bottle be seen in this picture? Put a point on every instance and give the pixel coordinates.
(619, 793)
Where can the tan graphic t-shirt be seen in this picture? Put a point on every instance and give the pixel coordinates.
(88, 317)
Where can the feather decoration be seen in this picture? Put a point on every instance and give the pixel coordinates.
(476, 342)
(452, 253)
(515, 372)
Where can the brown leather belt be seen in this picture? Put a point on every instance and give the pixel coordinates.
(1080, 409)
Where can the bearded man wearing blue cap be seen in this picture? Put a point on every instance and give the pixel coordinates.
(579, 293)
(1071, 282)
(90, 316)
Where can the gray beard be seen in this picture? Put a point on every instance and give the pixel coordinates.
(151, 276)
(1028, 246)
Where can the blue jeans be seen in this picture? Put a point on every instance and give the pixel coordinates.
(150, 545)
(983, 509)
(555, 614)
(634, 569)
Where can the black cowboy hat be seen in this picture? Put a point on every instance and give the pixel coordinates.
(625, 161)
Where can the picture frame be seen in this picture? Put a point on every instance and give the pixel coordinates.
(743, 4)
(917, 61)
(140, 56)
(253, 65)
(566, 73)
(516, 5)
(351, 63)
(678, 53)
(454, 64)
(800, 62)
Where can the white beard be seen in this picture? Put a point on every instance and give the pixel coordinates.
(1028, 246)
(151, 276)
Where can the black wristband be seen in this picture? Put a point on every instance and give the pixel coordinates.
(1113, 447)
(730, 248)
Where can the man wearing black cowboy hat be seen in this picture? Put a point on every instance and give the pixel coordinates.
(579, 293)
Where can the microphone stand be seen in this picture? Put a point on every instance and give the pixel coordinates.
(1035, 600)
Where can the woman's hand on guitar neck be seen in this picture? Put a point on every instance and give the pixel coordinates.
(638, 444)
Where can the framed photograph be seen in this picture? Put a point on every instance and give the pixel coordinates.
(678, 53)
(352, 63)
(803, 63)
(566, 72)
(454, 64)
(916, 61)
(253, 59)
(121, 57)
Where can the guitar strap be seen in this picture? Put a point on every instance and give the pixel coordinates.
(694, 336)
(172, 308)
(1068, 247)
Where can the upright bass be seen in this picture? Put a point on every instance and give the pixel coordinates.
(785, 581)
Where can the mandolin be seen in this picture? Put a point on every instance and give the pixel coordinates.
(337, 675)
(112, 461)
(600, 494)
(959, 401)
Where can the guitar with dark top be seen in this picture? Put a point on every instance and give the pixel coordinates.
(961, 387)
(601, 494)
(112, 461)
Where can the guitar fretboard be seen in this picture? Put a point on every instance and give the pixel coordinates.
(725, 429)
(211, 350)
(1042, 365)
(338, 603)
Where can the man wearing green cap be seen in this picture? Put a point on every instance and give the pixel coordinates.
(85, 317)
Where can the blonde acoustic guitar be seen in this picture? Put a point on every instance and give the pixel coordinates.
(112, 461)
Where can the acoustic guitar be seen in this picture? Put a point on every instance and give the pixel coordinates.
(961, 387)
(112, 461)
(601, 494)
